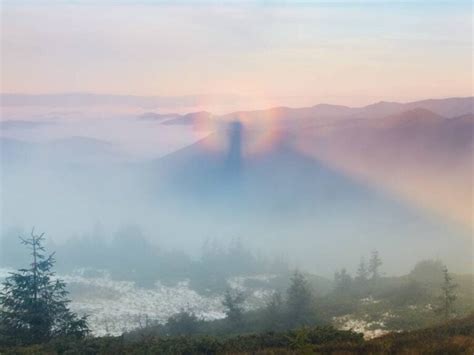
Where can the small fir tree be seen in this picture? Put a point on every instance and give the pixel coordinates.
(299, 302)
(233, 302)
(448, 296)
(273, 312)
(374, 265)
(362, 273)
(34, 303)
(183, 323)
(343, 282)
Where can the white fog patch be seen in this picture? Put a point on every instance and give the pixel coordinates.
(114, 307)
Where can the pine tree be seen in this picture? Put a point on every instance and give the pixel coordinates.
(448, 296)
(299, 301)
(233, 302)
(361, 279)
(343, 282)
(34, 304)
(183, 323)
(374, 265)
(362, 273)
(273, 312)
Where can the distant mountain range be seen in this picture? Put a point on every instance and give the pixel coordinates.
(446, 107)
(324, 113)
(152, 116)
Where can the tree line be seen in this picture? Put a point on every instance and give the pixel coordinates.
(34, 304)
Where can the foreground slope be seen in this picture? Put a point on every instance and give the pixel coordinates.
(455, 337)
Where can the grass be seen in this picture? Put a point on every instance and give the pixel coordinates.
(454, 337)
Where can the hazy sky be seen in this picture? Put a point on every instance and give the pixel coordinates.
(352, 52)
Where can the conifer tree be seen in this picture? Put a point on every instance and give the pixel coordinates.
(343, 281)
(34, 303)
(183, 323)
(362, 273)
(233, 302)
(299, 301)
(273, 312)
(374, 265)
(448, 296)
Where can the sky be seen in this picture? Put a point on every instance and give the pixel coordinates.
(279, 53)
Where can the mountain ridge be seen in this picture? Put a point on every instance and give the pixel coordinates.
(448, 107)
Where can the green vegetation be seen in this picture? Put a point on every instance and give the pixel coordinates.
(34, 304)
(297, 318)
(233, 301)
(448, 296)
(454, 337)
